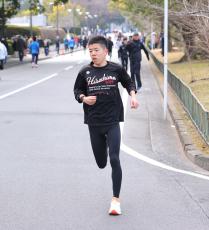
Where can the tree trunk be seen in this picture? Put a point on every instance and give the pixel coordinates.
(189, 41)
(2, 19)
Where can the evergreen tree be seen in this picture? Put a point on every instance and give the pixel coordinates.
(8, 8)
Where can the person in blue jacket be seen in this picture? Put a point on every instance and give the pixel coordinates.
(71, 44)
(34, 50)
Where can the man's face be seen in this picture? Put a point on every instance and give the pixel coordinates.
(136, 37)
(98, 54)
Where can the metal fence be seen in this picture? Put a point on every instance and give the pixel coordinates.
(197, 112)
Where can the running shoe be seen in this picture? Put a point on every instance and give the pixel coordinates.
(115, 208)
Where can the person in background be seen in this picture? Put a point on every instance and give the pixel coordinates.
(29, 40)
(123, 53)
(46, 46)
(143, 38)
(109, 46)
(57, 44)
(66, 44)
(4, 41)
(162, 43)
(21, 47)
(34, 49)
(134, 48)
(3, 54)
(84, 43)
(71, 44)
(76, 40)
(118, 43)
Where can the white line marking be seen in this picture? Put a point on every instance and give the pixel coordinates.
(125, 101)
(69, 67)
(148, 160)
(27, 86)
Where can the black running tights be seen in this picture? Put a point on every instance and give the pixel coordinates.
(103, 138)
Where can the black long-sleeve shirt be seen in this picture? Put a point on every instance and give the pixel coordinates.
(134, 48)
(102, 82)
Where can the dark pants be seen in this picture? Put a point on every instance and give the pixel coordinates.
(104, 138)
(58, 49)
(1, 64)
(46, 51)
(35, 58)
(124, 62)
(21, 55)
(135, 73)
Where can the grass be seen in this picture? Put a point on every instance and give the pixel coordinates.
(195, 74)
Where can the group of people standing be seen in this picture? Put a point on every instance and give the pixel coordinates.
(72, 42)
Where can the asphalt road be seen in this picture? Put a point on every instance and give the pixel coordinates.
(48, 176)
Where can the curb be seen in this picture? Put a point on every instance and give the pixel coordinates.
(195, 155)
(16, 63)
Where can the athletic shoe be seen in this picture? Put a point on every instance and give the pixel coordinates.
(115, 208)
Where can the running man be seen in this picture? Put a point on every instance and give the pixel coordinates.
(96, 87)
(134, 48)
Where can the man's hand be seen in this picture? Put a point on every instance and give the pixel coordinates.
(134, 102)
(90, 100)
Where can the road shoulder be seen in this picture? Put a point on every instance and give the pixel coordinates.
(194, 145)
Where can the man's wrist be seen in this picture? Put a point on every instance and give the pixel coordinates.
(132, 93)
(82, 96)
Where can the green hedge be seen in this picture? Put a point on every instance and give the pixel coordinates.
(44, 32)
(10, 49)
(11, 31)
(75, 30)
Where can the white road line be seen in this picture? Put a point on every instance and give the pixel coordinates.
(158, 164)
(125, 102)
(27, 86)
(69, 67)
(148, 160)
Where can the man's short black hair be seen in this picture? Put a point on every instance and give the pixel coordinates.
(98, 40)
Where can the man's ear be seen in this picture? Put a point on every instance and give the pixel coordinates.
(106, 50)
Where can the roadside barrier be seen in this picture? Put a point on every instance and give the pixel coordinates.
(196, 111)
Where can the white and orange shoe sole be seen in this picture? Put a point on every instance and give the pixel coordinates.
(115, 209)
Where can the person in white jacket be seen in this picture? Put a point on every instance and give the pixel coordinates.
(3, 54)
